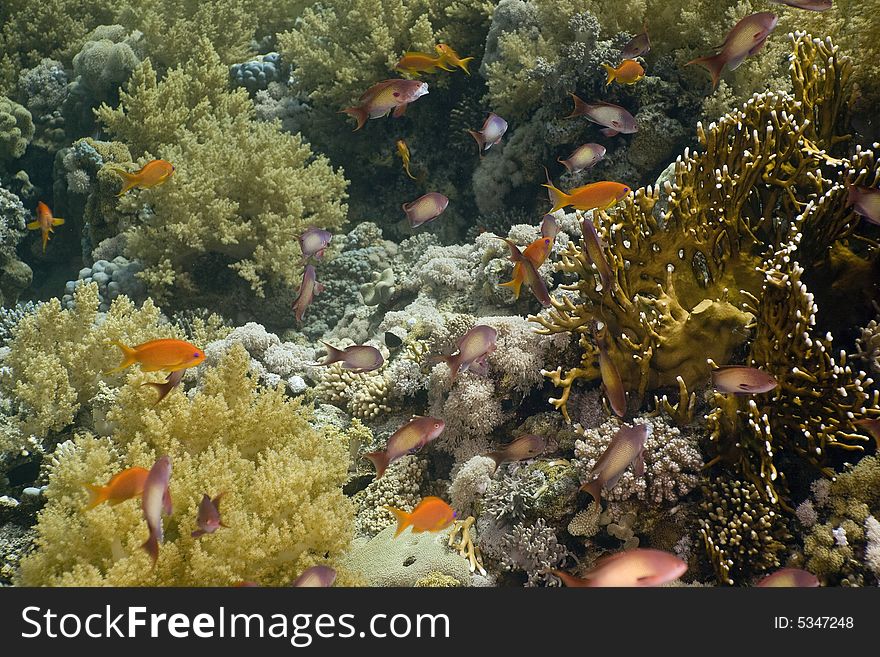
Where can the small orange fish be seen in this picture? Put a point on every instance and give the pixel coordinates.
(122, 486)
(536, 253)
(430, 515)
(45, 222)
(449, 56)
(413, 63)
(151, 174)
(403, 151)
(594, 196)
(629, 72)
(528, 273)
(166, 354)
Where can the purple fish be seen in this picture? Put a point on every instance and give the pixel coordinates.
(872, 426)
(626, 448)
(746, 38)
(549, 227)
(594, 246)
(156, 500)
(584, 157)
(493, 130)
(865, 201)
(316, 577)
(530, 274)
(611, 380)
(635, 567)
(171, 381)
(387, 96)
(637, 46)
(314, 241)
(742, 380)
(811, 5)
(789, 578)
(412, 436)
(208, 519)
(473, 347)
(357, 358)
(425, 208)
(524, 447)
(613, 117)
(307, 291)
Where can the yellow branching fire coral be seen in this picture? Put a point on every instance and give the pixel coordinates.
(281, 482)
(688, 264)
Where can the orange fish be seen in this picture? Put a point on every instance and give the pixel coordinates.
(595, 196)
(45, 222)
(430, 515)
(122, 486)
(413, 63)
(449, 56)
(166, 354)
(629, 72)
(151, 174)
(536, 253)
(403, 152)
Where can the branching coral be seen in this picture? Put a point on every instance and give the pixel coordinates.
(533, 549)
(281, 481)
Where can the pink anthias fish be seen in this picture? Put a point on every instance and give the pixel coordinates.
(627, 447)
(865, 201)
(615, 119)
(742, 380)
(357, 358)
(790, 578)
(411, 437)
(389, 96)
(811, 5)
(155, 501)
(491, 133)
(746, 38)
(316, 577)
(611, 381)
(594, 247)
(583, 157)
(473, 348)
(636, 567)
(171, 381)
(208, 519)
(425, 208)
(549, 227)
(525, 447)
(637, 46)
(530, 275)
(307, 291)
(314, 241)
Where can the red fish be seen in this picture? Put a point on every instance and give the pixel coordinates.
(477, 343)
(164, 354)
(430, 515)
(122, 486)
(208, 519)
(45, 222)
(307, 291)
(636, 567)
(425, 208)
(411, 437)
(156, 500)
(789, 577)
(742, 380)
(357, 358)
(171, 381)
(746, 38)
(316, 577)
(626, 448)
(388, 96)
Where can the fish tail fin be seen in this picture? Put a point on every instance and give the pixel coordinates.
(129, 357)
(97, 494)
(57, 221)
(379, 460)
(566, 163)
(516, 282)
(334, 355)
(611, 73)
(151, 545)
(404, 519)
(463, 63)
(478, 137)
(129, 180)
(594, 488)
(559, 198)
(198, 533)
(33, 225)
(712, 63)
(360, 115)
(580, 107)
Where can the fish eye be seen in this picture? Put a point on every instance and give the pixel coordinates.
(436, 425)
(196, 355)
(626, 190)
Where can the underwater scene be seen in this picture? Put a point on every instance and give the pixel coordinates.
(440, 293)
